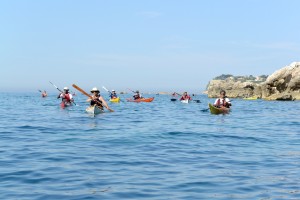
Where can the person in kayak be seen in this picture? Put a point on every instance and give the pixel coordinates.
(113, 94)
(97, 99)
(66, 97)
(44, 93)
(185, 96)
(137, 95)
(223, 101)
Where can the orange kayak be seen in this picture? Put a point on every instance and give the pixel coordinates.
(141, 100)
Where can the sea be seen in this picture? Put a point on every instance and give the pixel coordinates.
(159, 150)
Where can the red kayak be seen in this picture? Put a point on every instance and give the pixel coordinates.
(64, 105)
(141, 100)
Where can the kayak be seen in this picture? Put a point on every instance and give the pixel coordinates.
(141, 100)
(64, 105)
(251, 98)
(215, 110)
(94, 110)
(115, 100)
(184, 101)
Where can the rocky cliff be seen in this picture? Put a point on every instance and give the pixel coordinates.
(236, 86)
(284, 84)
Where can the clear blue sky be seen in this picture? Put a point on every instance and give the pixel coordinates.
(157, 45)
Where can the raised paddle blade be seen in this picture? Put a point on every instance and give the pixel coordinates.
(106, 89)
(55, 86)
(81, 90)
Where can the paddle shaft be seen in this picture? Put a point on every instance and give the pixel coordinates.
(131, 90)
(86, 94)
(204, 110)
(106, 89)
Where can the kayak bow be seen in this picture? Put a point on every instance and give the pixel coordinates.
(215, 110)
(94, 110)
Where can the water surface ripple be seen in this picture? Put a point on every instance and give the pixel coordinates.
(159, 150)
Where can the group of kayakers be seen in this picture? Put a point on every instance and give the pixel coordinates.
(96, 99)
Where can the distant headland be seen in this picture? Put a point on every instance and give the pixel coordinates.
(283, 84)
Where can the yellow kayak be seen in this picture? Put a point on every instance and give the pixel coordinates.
(251, 98)
(115, 100)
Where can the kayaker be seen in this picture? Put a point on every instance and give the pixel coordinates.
(66, 97)
(223, 101)
(137, 95)
(44, 93)
(113, 94)
(97, 99)
(185, 96)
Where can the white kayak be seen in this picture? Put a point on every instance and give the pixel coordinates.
(94, 110)
(184, 101)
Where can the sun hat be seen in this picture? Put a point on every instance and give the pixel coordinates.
(137, 91)
(66, 88)
(113, 90)
(95, 89)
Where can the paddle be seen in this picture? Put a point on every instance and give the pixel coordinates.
(204, 110)
(56, 87)
(106, 89)
(131, 90)
(86, 94)
(61, 91)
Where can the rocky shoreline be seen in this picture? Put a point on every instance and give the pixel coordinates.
(283, 84)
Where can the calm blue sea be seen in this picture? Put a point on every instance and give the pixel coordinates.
(159, 150)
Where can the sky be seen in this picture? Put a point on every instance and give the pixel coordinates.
(169, 45)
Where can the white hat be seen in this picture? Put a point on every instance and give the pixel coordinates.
(113, 90)
(66, 88)
(95, 89)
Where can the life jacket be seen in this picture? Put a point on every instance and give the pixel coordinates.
(136, 96)
(224, 103)
(66, 98)
(98, 103)
(185, 97)
(113, 96)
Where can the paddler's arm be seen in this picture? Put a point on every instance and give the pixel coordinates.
(104, 102)
(216, 101)
(89, 99)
